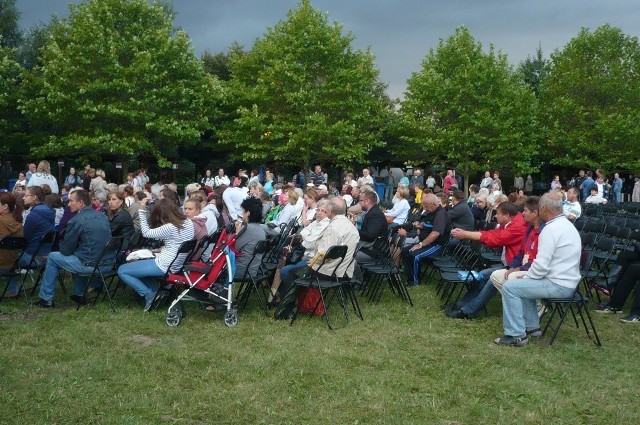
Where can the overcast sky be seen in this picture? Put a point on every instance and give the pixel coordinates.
(399, 32)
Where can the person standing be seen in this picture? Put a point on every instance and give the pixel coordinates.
(555, 273)
(221, 179)
(617, 188)
(208, 179)
(43, 176)
(487, 181)
(73, 179)
(449, 181)
(528, 185)
(518, 182)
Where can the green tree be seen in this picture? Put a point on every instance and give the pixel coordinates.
(218, 63)
(10, 118)
(10, 34)
(533, 70)
(304, 94)
(468, 110)
(590, 101)
(116, 78)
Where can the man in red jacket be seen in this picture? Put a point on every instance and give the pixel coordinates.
(509, 235)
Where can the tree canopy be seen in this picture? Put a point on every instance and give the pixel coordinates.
(117, 78)
(468, 109)
(10, 34)
(590, 101)
(303, 94)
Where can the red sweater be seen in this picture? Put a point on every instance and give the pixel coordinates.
(510, 237)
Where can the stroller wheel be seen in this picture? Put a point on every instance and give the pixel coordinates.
(231, 318)
(174, 317)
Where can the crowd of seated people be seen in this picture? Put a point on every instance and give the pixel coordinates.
(353, 216)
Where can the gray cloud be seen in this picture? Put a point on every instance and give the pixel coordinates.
(400, 33)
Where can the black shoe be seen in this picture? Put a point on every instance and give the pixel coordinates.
(513, 341)
(79, 299)
(457, 314)
(42, 303)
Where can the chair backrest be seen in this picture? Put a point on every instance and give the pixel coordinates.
(13, 243)
(606, 244)
(260, 249)
(334, 253)
(185, 248)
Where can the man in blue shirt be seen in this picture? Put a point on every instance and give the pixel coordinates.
(586, 185)
(84, 240)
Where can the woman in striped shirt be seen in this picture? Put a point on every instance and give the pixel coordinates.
(169, 225)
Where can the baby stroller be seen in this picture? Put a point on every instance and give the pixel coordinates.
(209, 284)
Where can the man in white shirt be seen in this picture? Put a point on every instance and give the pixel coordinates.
(572, 209)
(554, 273)
(233, 197)
(221, 179)
(487, 181)
(366, 178)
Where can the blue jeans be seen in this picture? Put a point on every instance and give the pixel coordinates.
(287, 273)
(519, 311)
(141, 276)
(480, 295)
(56, 262)
(24, 262)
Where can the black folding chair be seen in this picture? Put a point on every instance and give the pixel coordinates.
(250, 283)
(18, 245)
(577, 305)
(105, 269)
(37, 264)
(329, 287)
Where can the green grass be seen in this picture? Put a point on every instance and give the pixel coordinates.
(401, 365)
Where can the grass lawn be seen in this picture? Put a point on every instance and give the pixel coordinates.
(400, 365)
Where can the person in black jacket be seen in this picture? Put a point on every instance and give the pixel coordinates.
(460, 214)
(119, 218)
(374, 224)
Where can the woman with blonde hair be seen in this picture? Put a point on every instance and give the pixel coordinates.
(98, 182)
(400, 211)
(43, 176)
(286, 214)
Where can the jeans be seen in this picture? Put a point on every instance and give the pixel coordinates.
(479, 296)
(56, 262)
(288, 274)
(24, 262)
(388, 193)
(519, 310)
(141, 276)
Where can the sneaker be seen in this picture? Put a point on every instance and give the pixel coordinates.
(148, 300)
(42, 303)
(513, 341)
(536, 333)
(607, 309)
(632, 318)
